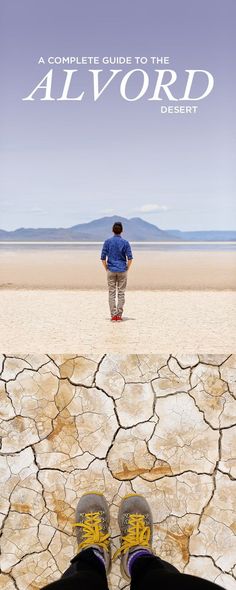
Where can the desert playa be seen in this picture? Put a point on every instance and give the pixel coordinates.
(157, 425)
(175, 301)
(50, 267)
(69, 320)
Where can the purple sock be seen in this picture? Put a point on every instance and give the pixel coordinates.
(135, 555)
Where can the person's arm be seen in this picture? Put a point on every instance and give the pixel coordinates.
(129, 255)
(129, 262)
(104, 255)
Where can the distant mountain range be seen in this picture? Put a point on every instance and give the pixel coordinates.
(135, 229)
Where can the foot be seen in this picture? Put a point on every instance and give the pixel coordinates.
(92, 526)
(136, 526)
(114, 318)
(118, 318)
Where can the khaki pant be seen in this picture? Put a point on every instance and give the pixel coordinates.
(117, 282)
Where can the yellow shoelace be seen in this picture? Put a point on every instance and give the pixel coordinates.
(92, 531)
(138, 534)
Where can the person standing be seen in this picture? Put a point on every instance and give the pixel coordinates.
(116, 257)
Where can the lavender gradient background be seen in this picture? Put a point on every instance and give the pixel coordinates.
(67, 162)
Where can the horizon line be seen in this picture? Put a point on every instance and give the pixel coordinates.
(160, 242)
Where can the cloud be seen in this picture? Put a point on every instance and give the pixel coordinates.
(151, 208)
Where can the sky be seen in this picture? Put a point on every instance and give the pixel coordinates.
(68, 162)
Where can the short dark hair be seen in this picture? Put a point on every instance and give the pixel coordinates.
(117, 227)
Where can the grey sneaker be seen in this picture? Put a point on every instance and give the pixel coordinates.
(92, 525)
(136, 526)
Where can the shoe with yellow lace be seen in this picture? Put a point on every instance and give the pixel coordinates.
(92, 526)
(136, 526)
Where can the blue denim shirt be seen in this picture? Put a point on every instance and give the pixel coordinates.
(116, 250)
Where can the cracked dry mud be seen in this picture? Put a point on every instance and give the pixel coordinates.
(152, 424)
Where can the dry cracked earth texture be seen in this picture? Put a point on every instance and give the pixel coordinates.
(152, 424)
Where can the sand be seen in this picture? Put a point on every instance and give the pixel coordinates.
(69, 321)
(177, 301)
(82, 269)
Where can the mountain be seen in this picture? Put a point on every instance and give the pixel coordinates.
(135, 230)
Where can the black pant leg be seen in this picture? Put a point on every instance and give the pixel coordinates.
(153, 573)
(86, 572)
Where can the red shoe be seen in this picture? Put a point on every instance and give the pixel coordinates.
(118, 318)
(114, 318)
